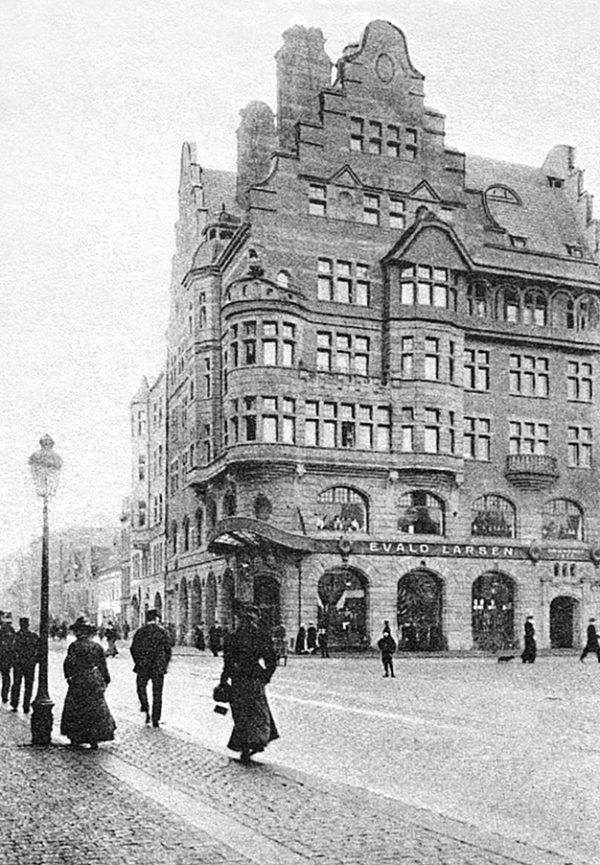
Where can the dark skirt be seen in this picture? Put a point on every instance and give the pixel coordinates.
(253, 724)
(86, 717)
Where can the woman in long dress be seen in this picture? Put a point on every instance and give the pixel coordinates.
(86, 718)
(249, 661)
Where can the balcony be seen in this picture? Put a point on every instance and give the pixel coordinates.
(531, 471)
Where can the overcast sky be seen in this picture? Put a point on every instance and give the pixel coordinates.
(96, 98)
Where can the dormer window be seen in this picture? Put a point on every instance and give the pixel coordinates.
(518, 242)
(555, 182)
(502, 193)
(574, 250)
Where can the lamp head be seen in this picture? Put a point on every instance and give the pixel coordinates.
(45, 467)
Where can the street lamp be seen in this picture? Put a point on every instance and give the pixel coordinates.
(45, 468)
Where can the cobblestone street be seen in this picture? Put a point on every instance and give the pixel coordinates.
(174, 794)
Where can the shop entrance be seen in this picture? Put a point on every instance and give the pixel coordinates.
(419, 611)
(493, 612)
(343, 594)
(564, 622)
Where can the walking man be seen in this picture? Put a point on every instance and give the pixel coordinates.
(26, 656)
(151, 653)
(530, 650)
(387, 647)
(592, 644)
(7, 648)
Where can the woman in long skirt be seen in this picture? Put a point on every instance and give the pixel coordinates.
(86, 718)
(249, 661)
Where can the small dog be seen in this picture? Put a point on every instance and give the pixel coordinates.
(504, 659)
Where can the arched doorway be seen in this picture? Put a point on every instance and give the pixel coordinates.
(227, 596)
(211, 601)
(196, 602)
(564, 622)
(183, 611)
(343, 598)
(419, 611)
(493, 612)
(266, 598)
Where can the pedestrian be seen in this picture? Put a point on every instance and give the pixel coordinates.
(7, 648)
(26, 656)
(280, 644)
(323, 642)
(125, 630)
(151, 653)
(300, 645)
(387, 647)
(215, 636)
(592, 644)
(530, 650)
(311, 639)
(86, 718)
(199, 638)
(111, 634)
(249, 662)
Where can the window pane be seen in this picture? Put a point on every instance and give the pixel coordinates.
(269, 429)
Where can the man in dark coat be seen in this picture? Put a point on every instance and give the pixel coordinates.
(530, 650)
(26, 656)
(215, 639)
(387, 647)
(592, 641)
(7, 647)
(151, 652)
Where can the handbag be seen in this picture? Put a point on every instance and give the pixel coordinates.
(222, 693)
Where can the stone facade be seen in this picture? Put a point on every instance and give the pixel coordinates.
(380, 394)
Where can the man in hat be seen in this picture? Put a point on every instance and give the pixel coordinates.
(592, 641)
(27, 647)
(151, 653)
(7, 648)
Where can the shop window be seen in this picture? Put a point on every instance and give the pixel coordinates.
(562, 520)
(493, 517)
(421, 513)
(342, 509)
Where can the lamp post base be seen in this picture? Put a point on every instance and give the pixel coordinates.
(41, 721)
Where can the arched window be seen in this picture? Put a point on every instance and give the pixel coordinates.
(262, 507)
(283, 279)
(342, 509)
(535, 308)
(230, 502)
(173, 537)
(493, 517)
(509, 304)
(421, 513)
(587, 314)
(477, 299)
(198, 518)
(561, 310)
(185, 526)
(562, 520)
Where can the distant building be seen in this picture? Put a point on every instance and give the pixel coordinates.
(381, 387)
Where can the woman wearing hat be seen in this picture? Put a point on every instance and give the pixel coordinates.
(86, 718)
(249, 661)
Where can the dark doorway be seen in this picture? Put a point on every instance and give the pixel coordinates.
(492, 612)
(563, 625)
(343, 594)
(419, 610)
(266, 598)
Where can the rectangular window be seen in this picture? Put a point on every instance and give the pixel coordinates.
(269, 428)
(477, 369)
(324, 352)
(397, 213)
(317, 200)
(325, 279)
(432, 359)
(580, 446)
(383, 431)
(451, 357)
(375, 137)
(406, 356)
(529, 375)
(357, 137)
(427, 286)
(518, 242)
(410, 148)
(363, 285)
(407, 419)
(249, 419)
(452, 431)
(270, 352)
(370, 209)
(528, 437)
(329, 425)
(579, 381)
(432, 431)
(477, 438)
(343, 282)
(393, 141)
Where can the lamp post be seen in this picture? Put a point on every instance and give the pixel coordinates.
(45, 468)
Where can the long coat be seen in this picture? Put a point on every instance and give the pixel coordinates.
(86, 717)
(151, 650)
(7, 645)
(243, 651)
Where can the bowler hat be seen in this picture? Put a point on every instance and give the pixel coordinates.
(82, 625)
(23, 622)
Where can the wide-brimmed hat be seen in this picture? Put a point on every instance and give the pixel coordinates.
(82, 625)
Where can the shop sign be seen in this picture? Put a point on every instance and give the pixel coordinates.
(475, 551)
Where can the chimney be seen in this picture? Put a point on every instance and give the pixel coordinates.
(256, 142)
(303, 71)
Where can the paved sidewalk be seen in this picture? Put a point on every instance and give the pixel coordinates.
(152, 797)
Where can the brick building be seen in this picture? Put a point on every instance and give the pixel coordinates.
(380, 397)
